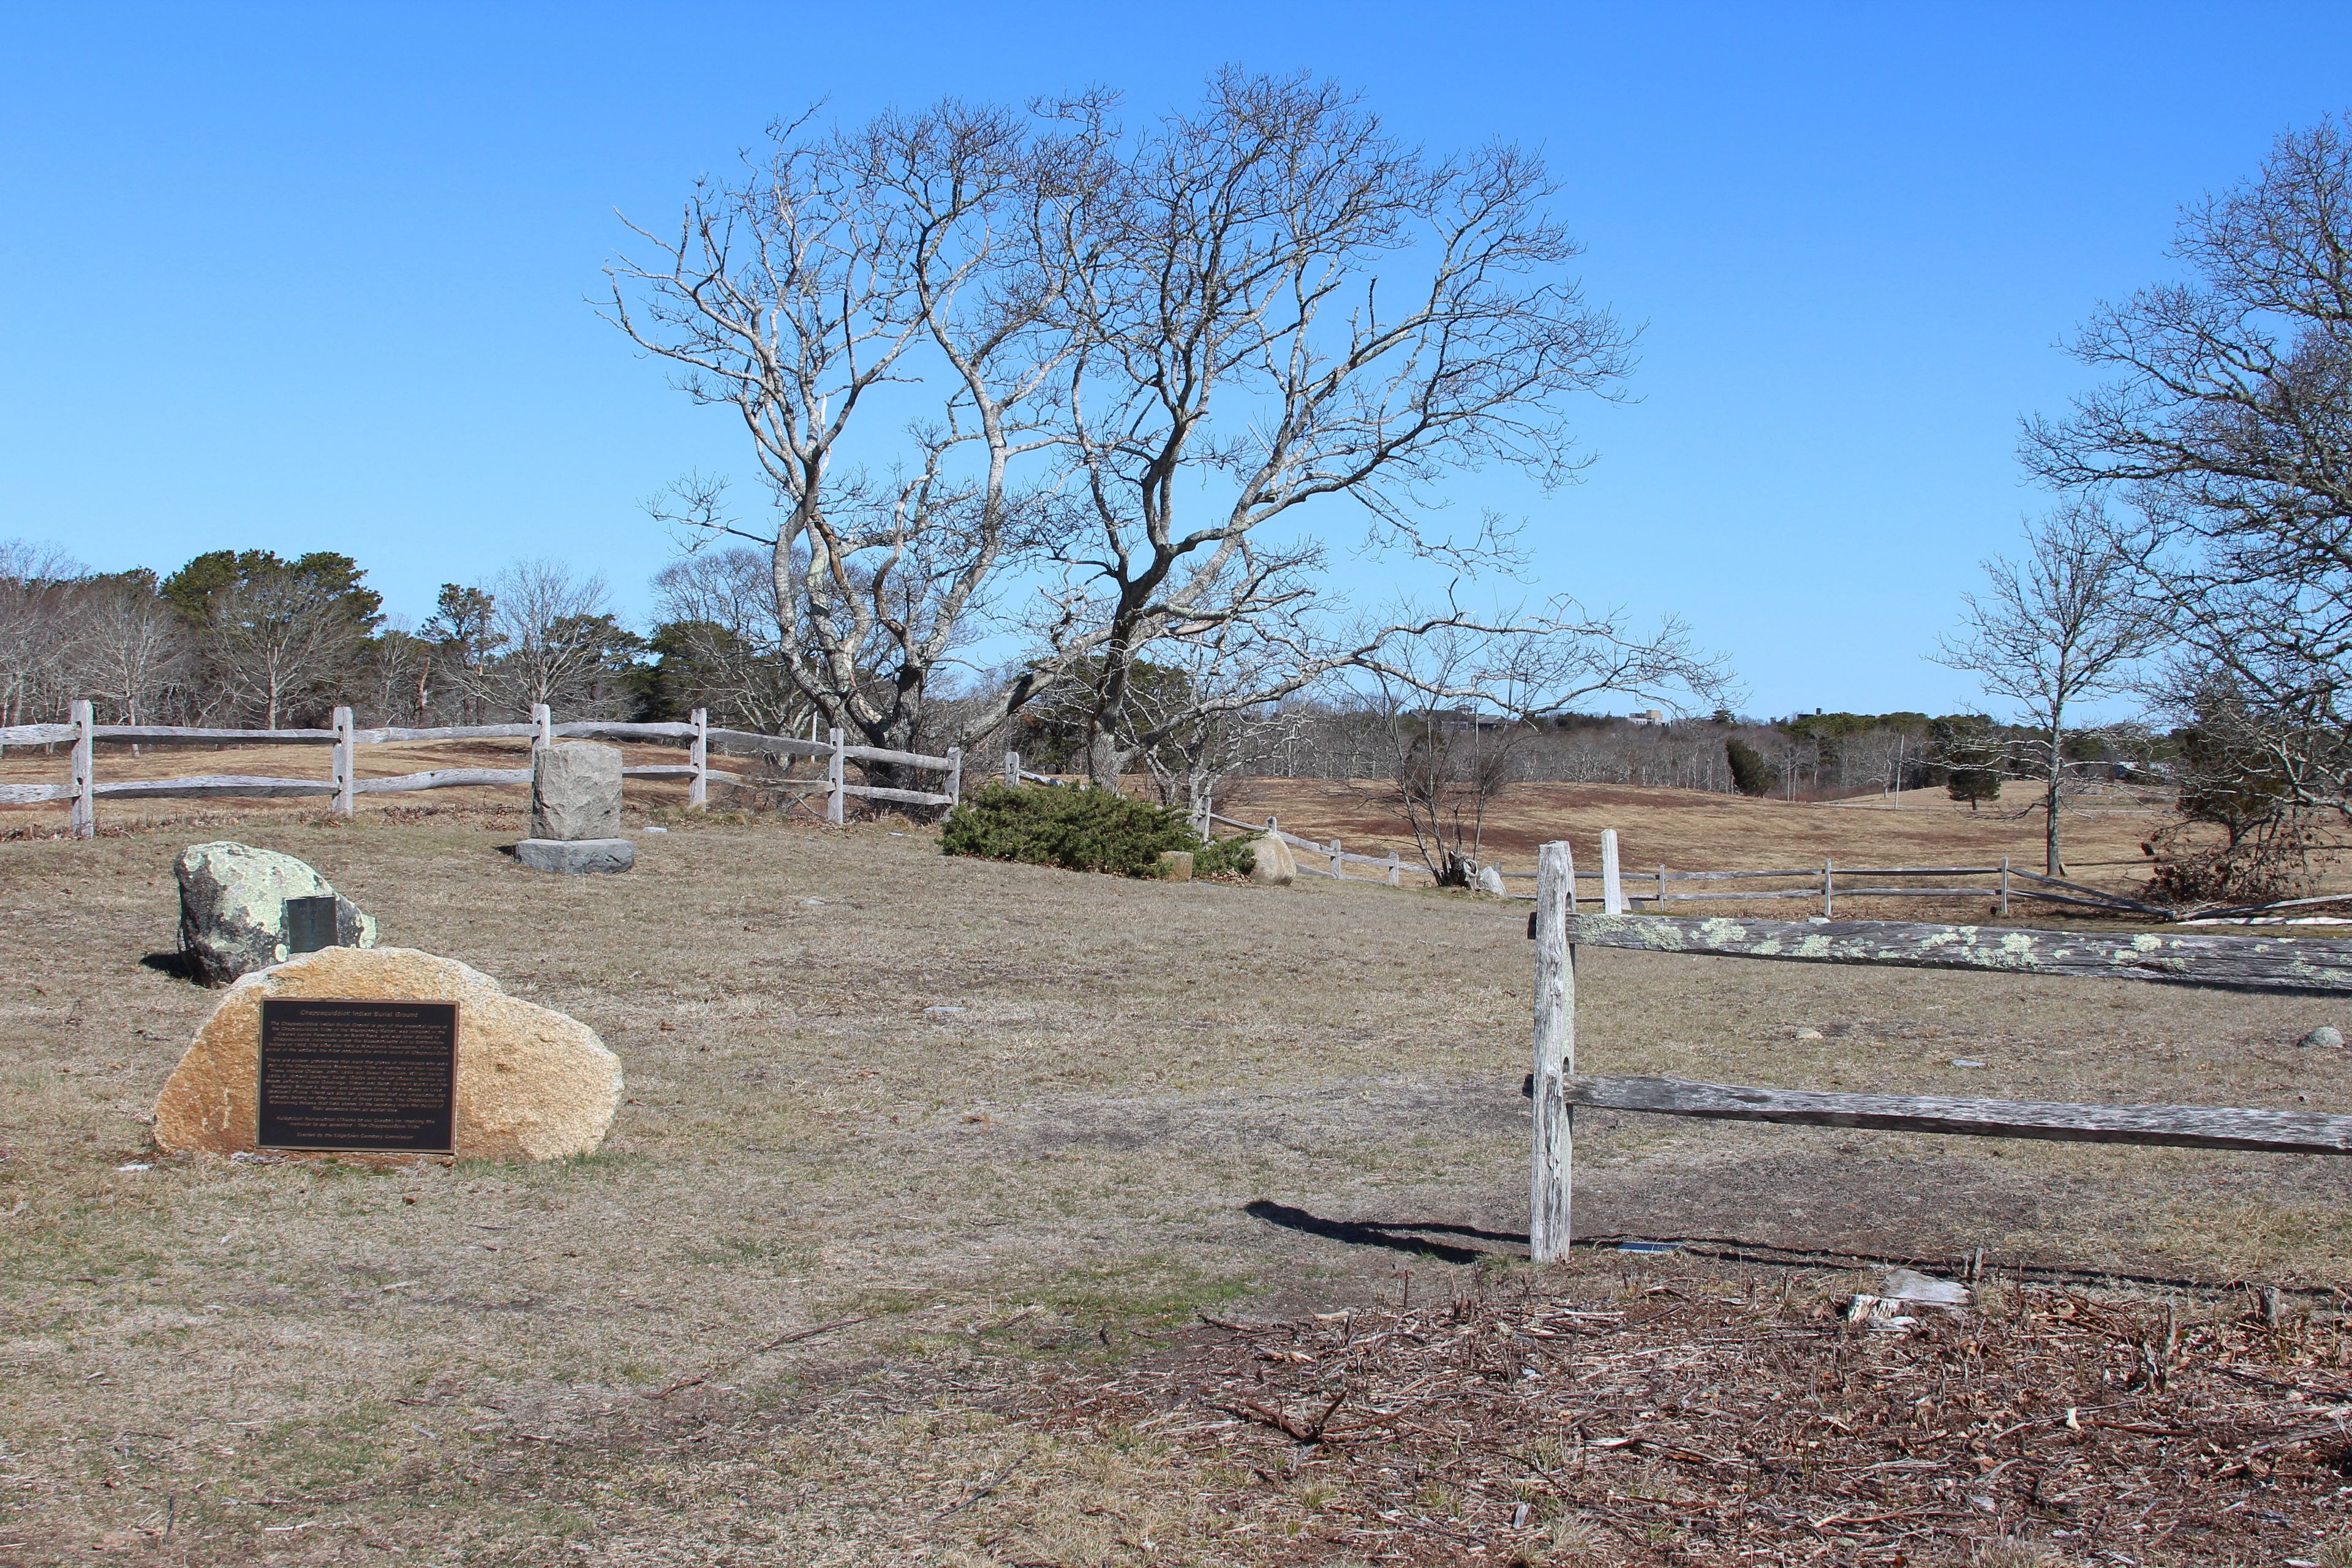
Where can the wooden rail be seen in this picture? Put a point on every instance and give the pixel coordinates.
(83, 788)
(1556, 1088)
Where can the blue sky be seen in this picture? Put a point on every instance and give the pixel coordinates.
(319, 277)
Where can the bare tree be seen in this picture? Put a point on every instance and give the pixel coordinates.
(275, 639)
(36, 588)
(2060, 626)
(1456, 703)
(2228, 428)
(131, 646)
(721, 620)
(557, 640)
(1279, 304)
(896, 268)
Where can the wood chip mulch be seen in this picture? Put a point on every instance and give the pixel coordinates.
(1721, 1420)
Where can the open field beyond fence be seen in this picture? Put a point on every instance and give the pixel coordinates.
(928, 1166)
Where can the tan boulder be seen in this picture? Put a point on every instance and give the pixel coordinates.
(532, 1084)
(1272, 862)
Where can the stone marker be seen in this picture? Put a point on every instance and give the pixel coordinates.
(232, 917)
(576, 810)
(1489, 880)
(1273, 862)
(532, 1083)
(1176, 865)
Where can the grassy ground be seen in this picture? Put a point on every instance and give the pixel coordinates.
(907, 1136)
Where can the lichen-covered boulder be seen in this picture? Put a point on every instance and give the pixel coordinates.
(575, 791)
(532, 1084)
(1489, 881)
(1273, 864)
(233, 908)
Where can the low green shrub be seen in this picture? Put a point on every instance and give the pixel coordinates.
(1225, 857)
(1082, 830)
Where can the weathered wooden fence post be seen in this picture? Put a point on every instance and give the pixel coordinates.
(1555, 1055)
(1612, 890)
(954, 791)
(2004, 884)
(544, 717)
(1012, 770)
(837, 777)
(1395, 866)
(1338, 865)
(1662, 890)
(698, 793)
(82, 817)
(1829, 892)
(346, 761)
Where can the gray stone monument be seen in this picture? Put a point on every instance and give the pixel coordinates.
(576, 810)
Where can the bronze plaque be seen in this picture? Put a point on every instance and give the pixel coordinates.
(362, 1076)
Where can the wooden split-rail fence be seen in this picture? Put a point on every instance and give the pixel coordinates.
(1558, 928)
(84, 788)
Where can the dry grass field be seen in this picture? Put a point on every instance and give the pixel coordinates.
(929, 1168)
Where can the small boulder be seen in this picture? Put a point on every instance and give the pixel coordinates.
(575, 791)
(1273, 864)
(2327, 1037)
(1489, 880)
(233, 908)
(532, 1084)
(1176, 865)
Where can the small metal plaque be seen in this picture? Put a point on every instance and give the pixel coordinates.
(355, 1074)
(310, 925)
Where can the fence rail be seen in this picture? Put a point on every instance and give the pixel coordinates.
(83, 788)
(1556, 1088)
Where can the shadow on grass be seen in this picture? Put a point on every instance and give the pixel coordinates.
(1396, 1235)
(178, 965)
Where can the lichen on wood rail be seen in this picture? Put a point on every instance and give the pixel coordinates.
(2258, 962)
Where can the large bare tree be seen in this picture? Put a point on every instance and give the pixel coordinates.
(875, 306)
(2226, 428)
(2056, 628)
(1278, 304)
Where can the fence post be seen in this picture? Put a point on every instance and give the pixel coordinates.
(955, 776)
(346, 761)
(1612, 891)
(1338, 865)
(1012, 770)
(835, 777)
(1555, 1055)
(544, 717)
(698, 793)
(1829, 893)
(82, 818)
(2004, 884)
(1394, 867)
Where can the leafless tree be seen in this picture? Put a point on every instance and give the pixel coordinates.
(1278, 304)
(720, 610)
(893, 273)
(556, 639)
(275, 640)
(2056, 628)
(132, 646)
(1455, 703)
(36, 626)
(2228, 430)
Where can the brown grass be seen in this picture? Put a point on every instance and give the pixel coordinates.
(1156, 1099)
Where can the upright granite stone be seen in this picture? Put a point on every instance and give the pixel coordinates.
(575, 811)
(532, 1084)
(575, 791)
(233, 908)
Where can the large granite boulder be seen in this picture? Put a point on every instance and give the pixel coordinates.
(532, 1084)
(575, 791)
(1273, 862)
(233, 908)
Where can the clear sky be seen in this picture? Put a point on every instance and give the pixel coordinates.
(318, 276)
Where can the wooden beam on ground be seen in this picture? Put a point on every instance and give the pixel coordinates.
(2240, 963)
(2178, 1126)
